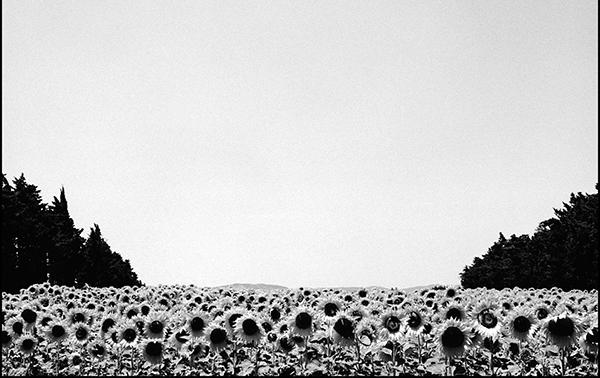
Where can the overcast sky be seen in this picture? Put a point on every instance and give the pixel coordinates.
(302, 143)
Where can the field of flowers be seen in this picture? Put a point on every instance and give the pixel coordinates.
(186, 330)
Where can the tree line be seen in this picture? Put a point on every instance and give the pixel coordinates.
(41, 243)
(562, 252)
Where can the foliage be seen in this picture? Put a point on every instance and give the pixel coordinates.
(563, 252)
(41, 243)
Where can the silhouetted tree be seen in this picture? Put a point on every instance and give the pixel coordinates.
(101, 266)
(41, 243)
(65, 252)
(563, 252)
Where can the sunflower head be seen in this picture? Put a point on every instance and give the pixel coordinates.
(453, 338)
(343, 329)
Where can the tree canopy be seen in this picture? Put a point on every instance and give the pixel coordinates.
(41, 243)
(562, 252)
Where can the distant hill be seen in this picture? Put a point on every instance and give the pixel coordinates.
(268, 287)
(259, 286)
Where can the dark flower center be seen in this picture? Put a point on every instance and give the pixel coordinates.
(156, 326)
(81, 333)
(129, 335)
(453, 337)
(450, 293)
(275, 314)
(76, 360)
(78, 317)
(27, 344)
(521, 324)
(267, 326)
(154, 349)
(362, 293)
(197, 324)
(29, 315)
(344, 327)
(107, 324)
(131, 313)
(427, 328)
(17, 328)
(6, 337)
(454, 313)
(58, 331)
(331, 309)
(561, 327)
(541, 313)
(232, 319)
(303, 320)
(487, 319)
(414, 320)
(218, 336)
(145, 310)
(392, 324)
(250, 327)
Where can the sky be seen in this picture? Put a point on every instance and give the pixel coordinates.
(302, 143)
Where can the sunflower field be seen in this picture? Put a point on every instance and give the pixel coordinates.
(186, 330)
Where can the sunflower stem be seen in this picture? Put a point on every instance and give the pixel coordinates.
(357, 354)
(234, 357)
(562, 361)
(491, 361)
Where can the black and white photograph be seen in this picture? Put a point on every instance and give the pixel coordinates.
(299, 188)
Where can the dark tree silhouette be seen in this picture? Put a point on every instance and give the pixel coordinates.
(65, 252)
(563, 252)
(41, 243)
(103, 267)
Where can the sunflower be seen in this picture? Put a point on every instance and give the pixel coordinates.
(78, 315)
(522, 324)
(97, 349)
(15, 326)
(329, 307)
(453, 338)
(487, 320)
(152, 350)
(180, 337)
(155, 325)
(128, 332)
(414, 320)
(366, 331)
(216, 336)
(26, 343)
(301, 321)
(391, 323)
(29, 316)
(108, 323)
(343, 330)
(231, 316)
(80, 332)
(7, 338)
(454, 311)
(386, 350)
(285, 344)
(588, 340)
(542, 311)
(57, 331)
(196, 324)
(248, 328)
(562, 330)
